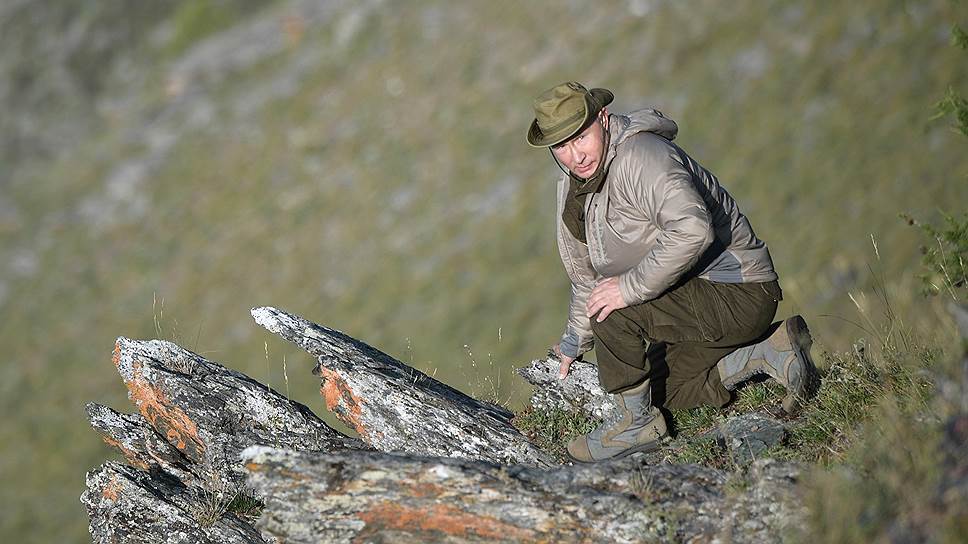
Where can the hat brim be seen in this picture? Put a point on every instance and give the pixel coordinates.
(595, 100)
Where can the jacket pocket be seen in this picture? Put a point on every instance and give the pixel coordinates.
(710, 311)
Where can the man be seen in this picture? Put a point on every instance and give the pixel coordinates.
(665, 272)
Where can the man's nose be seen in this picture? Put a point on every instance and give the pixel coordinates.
(579, 156)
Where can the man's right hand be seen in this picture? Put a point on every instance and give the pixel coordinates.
(565, 361)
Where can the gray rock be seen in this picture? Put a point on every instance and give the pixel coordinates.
(195, 418)
(763, 504)
(397, 408)
(747, 436)
(140, 444)
(209, 413)
(130, 506)
(356, 496)
(579, 391)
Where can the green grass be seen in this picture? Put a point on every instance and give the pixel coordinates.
(853, 386)
(884, 477)
(703, 452)
(551, 430)
(908, 441)
(691, 422)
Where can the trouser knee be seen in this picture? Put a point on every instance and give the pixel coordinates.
(620, 349)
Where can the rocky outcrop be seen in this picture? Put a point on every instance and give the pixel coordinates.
(215, 456)
(194, 419)
(398, 408)
(354, 497)
(205, 413)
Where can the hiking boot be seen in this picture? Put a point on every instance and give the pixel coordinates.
(784, 356)
(635, 426)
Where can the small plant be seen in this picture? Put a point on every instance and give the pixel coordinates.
(486, 381)
(643, 484)
(953, 104)
(551, 430)
(211, 503)
(246, 505)
(944, 257)
(158, 316)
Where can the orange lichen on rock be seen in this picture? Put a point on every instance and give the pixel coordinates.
(111, 489)
(341, 400)
(169, 420)
(439, 519)
(129, 455)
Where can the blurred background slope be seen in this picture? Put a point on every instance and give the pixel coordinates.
(166, 166)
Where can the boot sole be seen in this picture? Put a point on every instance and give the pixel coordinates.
(641, 448)
(802, 341)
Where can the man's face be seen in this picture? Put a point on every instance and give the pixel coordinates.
(583, 152)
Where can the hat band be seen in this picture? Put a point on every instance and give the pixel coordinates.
(579, 115)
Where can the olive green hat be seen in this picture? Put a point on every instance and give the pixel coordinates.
(563, 110)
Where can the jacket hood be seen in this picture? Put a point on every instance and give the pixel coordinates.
(621, 127)
(645, 120)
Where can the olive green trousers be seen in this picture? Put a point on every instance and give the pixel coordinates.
(676, 340)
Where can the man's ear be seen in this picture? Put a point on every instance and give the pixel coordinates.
(603, 115)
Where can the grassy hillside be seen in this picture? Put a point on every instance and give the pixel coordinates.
(364, 165)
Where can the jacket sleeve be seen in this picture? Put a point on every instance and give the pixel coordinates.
(577, 337)
(663, 190)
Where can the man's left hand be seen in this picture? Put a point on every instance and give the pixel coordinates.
(604, 299)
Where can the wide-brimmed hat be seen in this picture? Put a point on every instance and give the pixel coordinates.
(563, 110)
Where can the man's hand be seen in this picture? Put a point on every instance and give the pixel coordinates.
(604, 299)
(565, 361)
